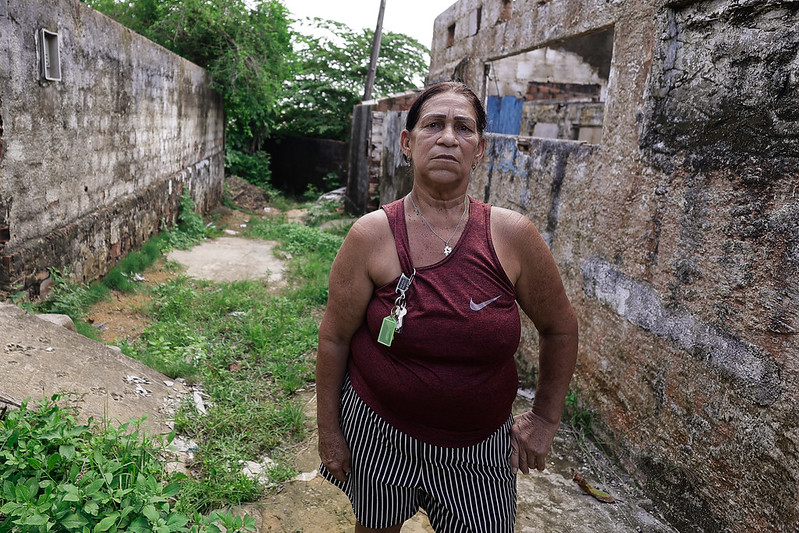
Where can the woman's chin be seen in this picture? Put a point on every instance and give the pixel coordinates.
(443, 176)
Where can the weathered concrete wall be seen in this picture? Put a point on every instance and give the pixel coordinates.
(677, 237)
(93, 163)
(378, 172)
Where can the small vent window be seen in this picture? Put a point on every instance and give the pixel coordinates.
(450, 35)
(50, 55)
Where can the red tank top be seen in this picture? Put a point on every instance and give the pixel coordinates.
(449, 378)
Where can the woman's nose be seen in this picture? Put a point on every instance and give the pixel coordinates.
(448, 136)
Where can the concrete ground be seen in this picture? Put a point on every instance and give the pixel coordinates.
(42, 358)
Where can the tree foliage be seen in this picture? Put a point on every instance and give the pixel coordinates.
(333, 61)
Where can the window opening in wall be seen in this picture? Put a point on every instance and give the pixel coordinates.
(555, 92)
(50, 55)
(475, 18)
(450, 35)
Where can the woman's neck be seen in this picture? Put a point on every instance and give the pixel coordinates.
(428, 200)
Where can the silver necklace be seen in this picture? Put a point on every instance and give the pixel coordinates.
(447, 248)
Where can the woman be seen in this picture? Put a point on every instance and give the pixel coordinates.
(415, 368)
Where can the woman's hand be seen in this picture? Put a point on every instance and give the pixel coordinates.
(335, 454)
(531, 438)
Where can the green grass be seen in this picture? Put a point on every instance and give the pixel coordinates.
(249, 345)
(310, 252)
(578, 415)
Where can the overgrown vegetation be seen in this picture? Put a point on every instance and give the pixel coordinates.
(332, 65)
(251, 348)
(59, 476)
(578, 415)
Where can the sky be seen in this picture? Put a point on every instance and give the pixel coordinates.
(411, 17)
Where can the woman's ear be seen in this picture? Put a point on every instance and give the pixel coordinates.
(481, 150)
(405, 143)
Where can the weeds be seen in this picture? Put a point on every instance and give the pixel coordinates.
(249, 348)
(310, 252)
(75, 299)
(577, 415)
(61, 476)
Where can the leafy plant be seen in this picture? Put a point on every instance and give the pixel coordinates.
(252, 167)
(57, 475)
(577, 415)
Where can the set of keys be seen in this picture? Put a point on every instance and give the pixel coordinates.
(393, 322)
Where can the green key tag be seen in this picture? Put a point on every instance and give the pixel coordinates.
(386, 336)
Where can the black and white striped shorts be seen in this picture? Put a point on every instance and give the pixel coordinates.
(469, 489)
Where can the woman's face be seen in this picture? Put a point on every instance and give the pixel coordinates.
(444, 144)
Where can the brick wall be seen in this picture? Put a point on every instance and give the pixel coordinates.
(562, 91)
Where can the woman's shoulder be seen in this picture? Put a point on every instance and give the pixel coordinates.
(371, 226)
(511, 224)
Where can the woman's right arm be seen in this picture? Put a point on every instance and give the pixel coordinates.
(350, 290)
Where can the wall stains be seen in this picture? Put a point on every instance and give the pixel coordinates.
(677, 238)
(517, 176)
(724, 84)
(639, 304)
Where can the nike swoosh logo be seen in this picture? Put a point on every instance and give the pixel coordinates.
(477, 307)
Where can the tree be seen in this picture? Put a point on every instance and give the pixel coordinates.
(333, 63)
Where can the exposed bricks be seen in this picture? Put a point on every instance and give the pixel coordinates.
(401, 102)
(506, 12)
(85, 244)
(562, 91)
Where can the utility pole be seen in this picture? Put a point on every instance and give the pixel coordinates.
(370, 76)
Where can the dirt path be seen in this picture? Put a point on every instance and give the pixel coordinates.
(548, 502)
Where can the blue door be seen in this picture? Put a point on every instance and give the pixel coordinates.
(504, 114)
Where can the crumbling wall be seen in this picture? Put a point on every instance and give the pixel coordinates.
(677, 237)
(94, 160)
(378, 172)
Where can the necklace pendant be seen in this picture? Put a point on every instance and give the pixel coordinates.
(447, 250)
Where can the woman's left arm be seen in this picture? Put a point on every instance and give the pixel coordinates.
(542, 297)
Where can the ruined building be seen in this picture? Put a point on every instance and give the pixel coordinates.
(654, 144)
(100, 132)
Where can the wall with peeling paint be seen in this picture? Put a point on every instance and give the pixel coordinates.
(677, 237)
(91, 164)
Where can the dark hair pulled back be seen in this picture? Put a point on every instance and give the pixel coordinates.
(451, 86)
